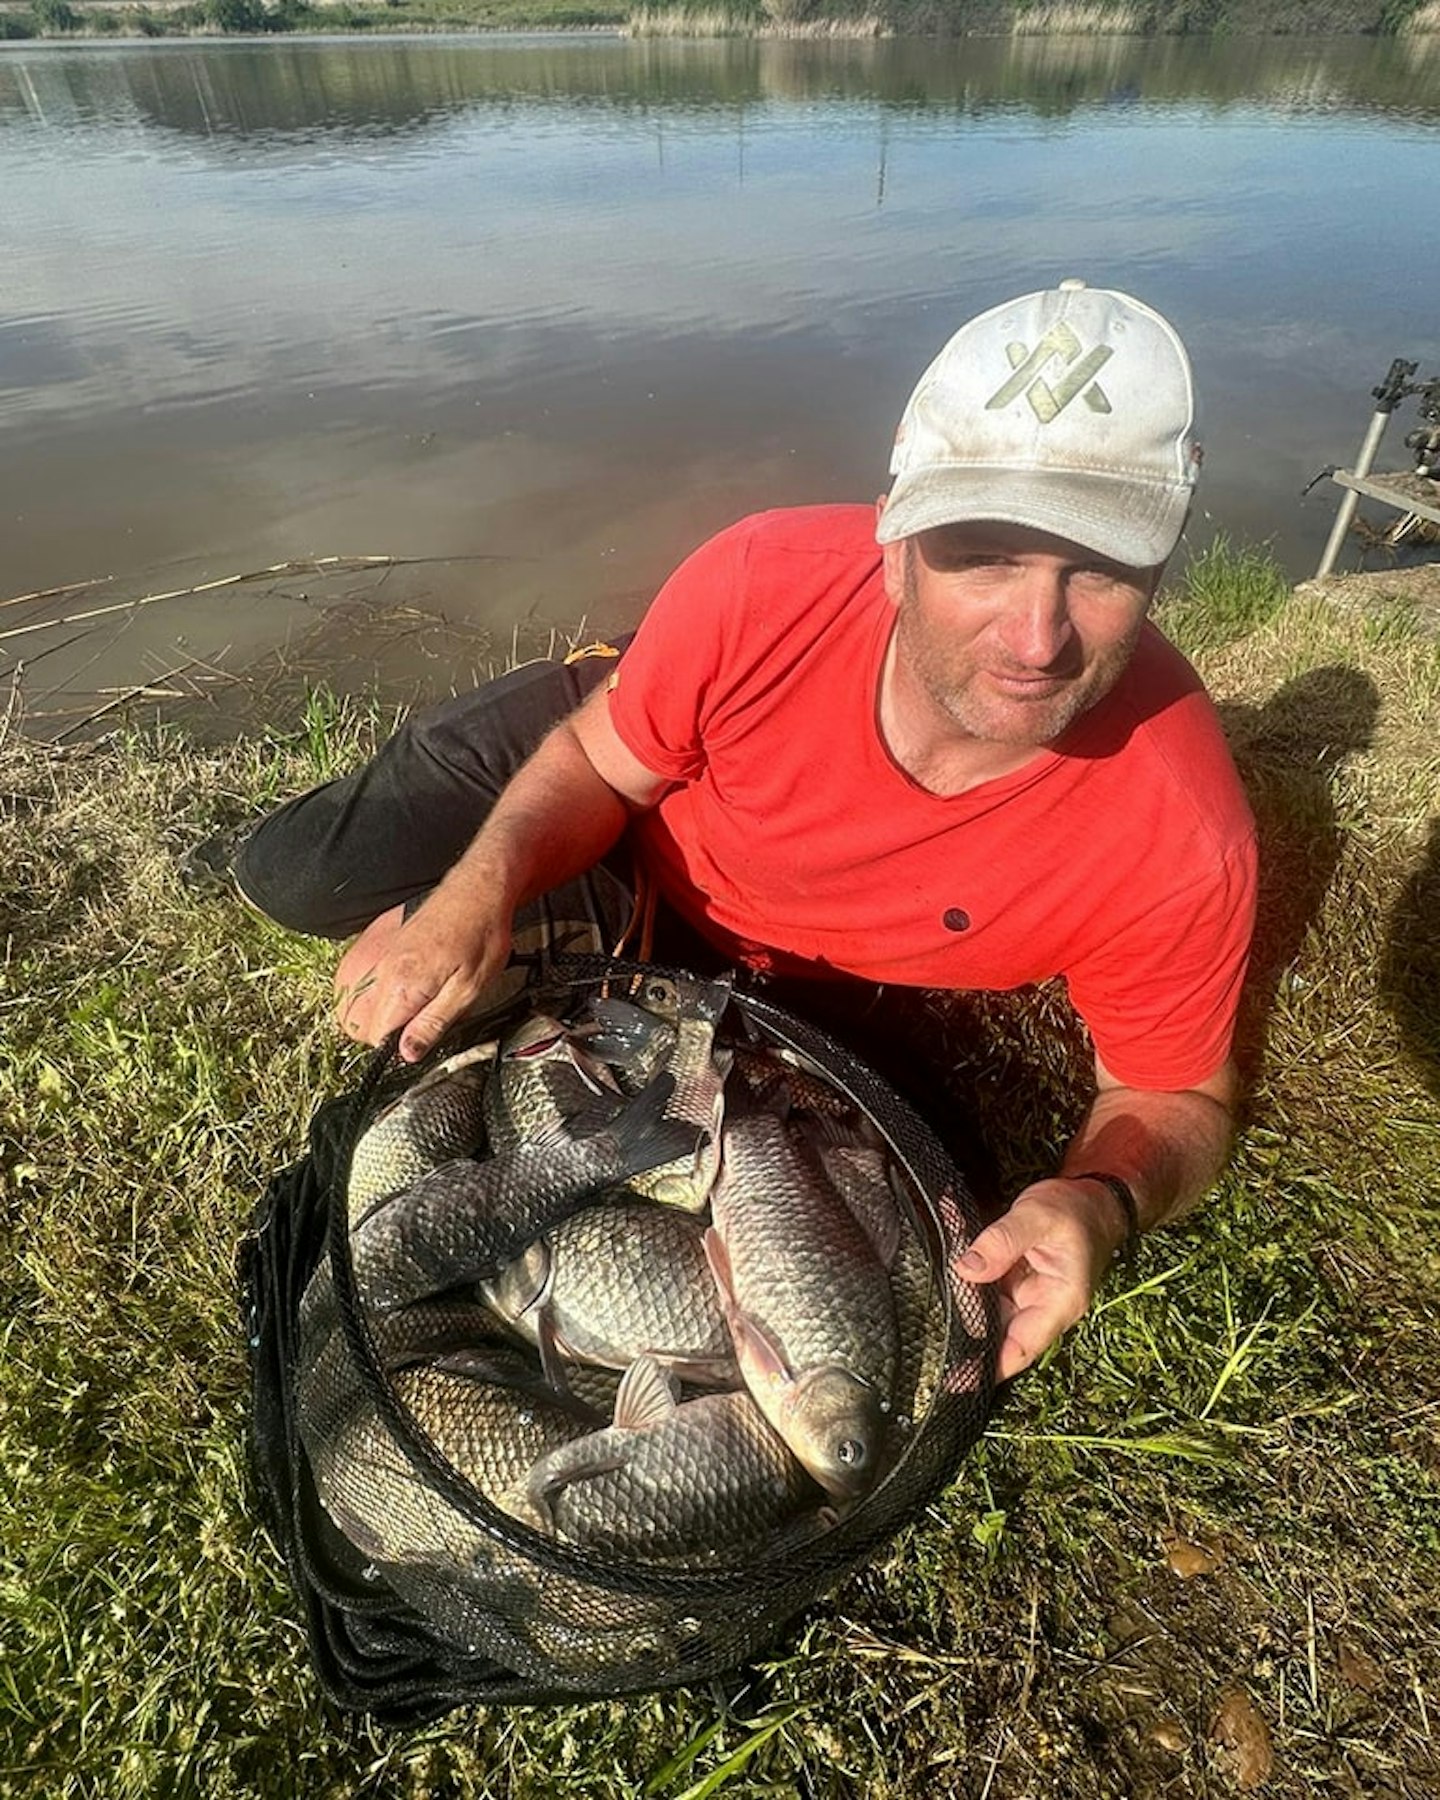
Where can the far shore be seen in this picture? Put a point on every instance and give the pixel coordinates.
(61, 21)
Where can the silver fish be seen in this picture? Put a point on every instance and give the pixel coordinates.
(465, 1221)
(698, 1481)
(437, 1118)
(378, 1495)
(808, 1303)
(616, 1282)
(857, 1162)
(693, 1009)
(543, 1078)
(781, 1083)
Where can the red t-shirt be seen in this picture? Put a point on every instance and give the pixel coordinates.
(1123, 858)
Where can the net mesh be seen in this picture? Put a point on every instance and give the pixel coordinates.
(434, 1594)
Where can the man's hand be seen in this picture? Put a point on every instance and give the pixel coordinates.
(558, 815)
(423, 973)
(1047, 1255)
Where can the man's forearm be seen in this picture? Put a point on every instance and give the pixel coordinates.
(1168, 1148)
(555, 819)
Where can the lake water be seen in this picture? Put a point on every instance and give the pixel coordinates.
(544, 312)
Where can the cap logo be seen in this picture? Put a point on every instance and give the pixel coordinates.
(1048, 401)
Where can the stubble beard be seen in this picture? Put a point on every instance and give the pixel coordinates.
(957, 694)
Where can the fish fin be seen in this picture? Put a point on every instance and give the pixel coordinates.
(826, 1132)
(647, 1396)
(537, 1037)
(709, 1372)
(473, 1361)
(718, 1258)
(745, 1102)
(582, 1459)
(453, 1066)
(758, 1352)
(536, 1269)
(591, 1069)
(644, 1137)
(552, 1365)
(530, 1505)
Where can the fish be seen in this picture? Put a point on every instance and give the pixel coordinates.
(697, 1481)
(543, 1078)
(464, 1221)
(491, 1432)
(857, 1163)
(808, 1303)
(454, 1331)
(618, 1281)
(693, 1009)
(782, 1082)
(438, 1117)
(920, 1313)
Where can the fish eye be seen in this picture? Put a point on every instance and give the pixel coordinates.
(850, 1451)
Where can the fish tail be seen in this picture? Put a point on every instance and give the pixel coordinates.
(645, 1138)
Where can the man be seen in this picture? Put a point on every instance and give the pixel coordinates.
(935, 745)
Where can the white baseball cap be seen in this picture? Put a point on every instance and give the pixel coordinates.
(1071, 411)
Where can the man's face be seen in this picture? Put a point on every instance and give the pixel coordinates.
(1012, 633)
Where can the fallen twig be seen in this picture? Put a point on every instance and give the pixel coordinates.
(318, 564)
(134, 693)
(53, 593)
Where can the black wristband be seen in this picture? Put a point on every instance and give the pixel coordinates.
(1123, 1197)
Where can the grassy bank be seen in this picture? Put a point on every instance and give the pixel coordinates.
(708, 18)
(1205, 1532)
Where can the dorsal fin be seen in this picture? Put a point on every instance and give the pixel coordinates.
(647, 1396)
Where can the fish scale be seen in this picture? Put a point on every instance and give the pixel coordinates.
(379, 1497)
(705, 1484)
(804, 1267)
(464, 1221)
(438, 1117)
(621, 1281)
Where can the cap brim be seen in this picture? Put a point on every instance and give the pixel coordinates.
(1130, 522)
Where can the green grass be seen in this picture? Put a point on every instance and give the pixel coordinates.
(1261, 1382)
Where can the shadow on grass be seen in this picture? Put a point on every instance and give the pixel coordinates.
(1289, 752)
(1410, 965)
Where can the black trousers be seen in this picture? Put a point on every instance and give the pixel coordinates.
(333, 859)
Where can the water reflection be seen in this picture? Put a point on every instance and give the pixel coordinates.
(575, 302)
(312, 90)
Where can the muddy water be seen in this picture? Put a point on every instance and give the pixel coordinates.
(540, 313)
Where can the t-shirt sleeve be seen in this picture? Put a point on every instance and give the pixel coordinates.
(1161, 1000)
(668, 683)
